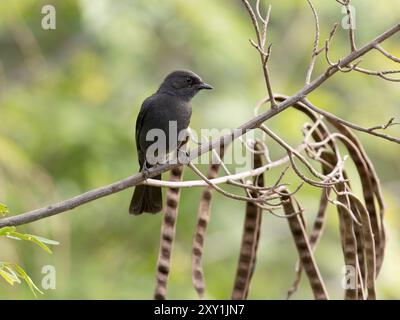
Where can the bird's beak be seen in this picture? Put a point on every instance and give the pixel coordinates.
(205, 86)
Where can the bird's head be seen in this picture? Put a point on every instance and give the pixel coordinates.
(183, 83)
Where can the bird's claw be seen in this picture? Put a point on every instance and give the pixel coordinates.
(145, 172)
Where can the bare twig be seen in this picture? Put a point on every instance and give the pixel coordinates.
(387, 54)
(260, 46)
(326, 180)
(388, 124)
(315, 50)
(349, 124)
(351, 28)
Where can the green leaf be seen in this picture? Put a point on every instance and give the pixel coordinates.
(10, 232)
(5, 230)
(47, 241)
(28, 237)
(22, 274)
(11, 272)
(12, 276)
(7, 276)
(3, 209)
(35, 240)
(8, 235)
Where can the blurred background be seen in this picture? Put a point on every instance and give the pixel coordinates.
(68, 103)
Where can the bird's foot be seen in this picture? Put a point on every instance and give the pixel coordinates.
(145, 171)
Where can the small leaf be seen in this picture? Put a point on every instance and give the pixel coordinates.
(39, 243)
(3, 209)
(11, 233)
(11, 271)
(47, 241)
(5, 230)
(16, 235)
(14, 276)
(6, 276)
(13, 237)
(22, 274)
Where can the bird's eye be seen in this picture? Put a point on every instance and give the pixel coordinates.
(189, 81)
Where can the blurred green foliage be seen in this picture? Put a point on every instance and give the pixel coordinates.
(68, 102)
(12, 272)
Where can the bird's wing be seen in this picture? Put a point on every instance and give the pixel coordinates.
(139, 123)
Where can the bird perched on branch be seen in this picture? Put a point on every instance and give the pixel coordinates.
(162, 119)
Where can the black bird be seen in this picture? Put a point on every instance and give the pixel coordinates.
(168, 107)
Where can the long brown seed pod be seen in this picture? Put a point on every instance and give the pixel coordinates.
(370, 186)
(352, 234)
(315, 235)
(349, 244)
(318, 226)
(352, 241)
(320, 133)
(352, 247)
(360, 253)
(250, 236)
(304, 248)
(369, 245)
(371, 190)
(167, 235)
(203, 217)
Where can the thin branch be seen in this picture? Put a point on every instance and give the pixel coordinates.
(346, 4)
(225, 193)
(292, 152)
(264, 21)
(350, 124)
(351, 29)
(388, 124)
(261, 39)
(387, 54)
(379, 73)
(315, 50)
(328, 44)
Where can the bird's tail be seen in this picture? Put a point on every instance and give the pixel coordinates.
(146, 199)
